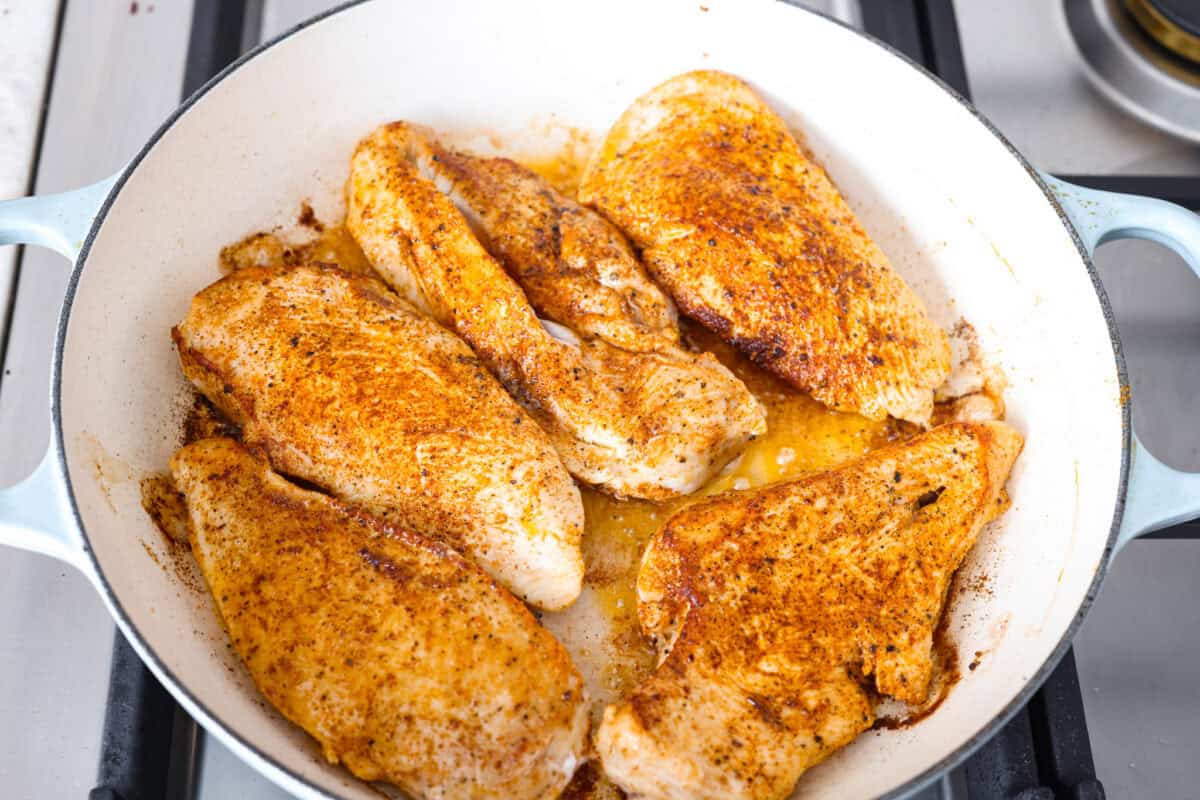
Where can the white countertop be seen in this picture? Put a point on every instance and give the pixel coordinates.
(26, 39)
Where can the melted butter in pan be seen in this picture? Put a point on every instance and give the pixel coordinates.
(563, 166)
(312, 242)
(601, 629)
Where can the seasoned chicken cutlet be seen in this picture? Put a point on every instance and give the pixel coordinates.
(574, 266)
(773, 608)
(404, 660)
(753, 240)
(344, 385)
(642, 423)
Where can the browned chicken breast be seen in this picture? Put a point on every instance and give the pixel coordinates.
(575, 267)
(346, 386)
(752, 240)
(773, 608)
(650, 424)
(404, 660)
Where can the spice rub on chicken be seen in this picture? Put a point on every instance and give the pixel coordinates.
(404, 660)
(753, 240)
(776, 609)
(642, 422)
(573, 265)
(346, 386)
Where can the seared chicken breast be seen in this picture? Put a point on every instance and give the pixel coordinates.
(344, 385)
(774, 607)
(753, 240)
(634, 422)
(574, 266)
(403, 659)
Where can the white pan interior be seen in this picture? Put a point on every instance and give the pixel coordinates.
(957, 213)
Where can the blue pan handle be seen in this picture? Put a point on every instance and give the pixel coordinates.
(1158, 496)
(35, 514)
(57, 221)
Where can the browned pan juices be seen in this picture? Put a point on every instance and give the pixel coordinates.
(203, 421)
(166, 506)
(946, 673)
(321, 244)
(167, 509)
(590, 783)
(803, 437)
(161, 501)
(562, 170)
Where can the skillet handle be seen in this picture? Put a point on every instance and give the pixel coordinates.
(59, 222)
(1158, 496)
(35, 513)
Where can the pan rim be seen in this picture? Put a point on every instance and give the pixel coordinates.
(269, 762)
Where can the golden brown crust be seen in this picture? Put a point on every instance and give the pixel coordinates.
(776, 609)
(346, 386)
(403, 659)
(650, 424)
(752, 240)
(574, 266)
(332, 245)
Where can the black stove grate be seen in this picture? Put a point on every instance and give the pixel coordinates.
(151, 747)
(924, 30)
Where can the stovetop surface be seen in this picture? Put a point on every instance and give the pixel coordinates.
(1138, 650)
(1025, 76)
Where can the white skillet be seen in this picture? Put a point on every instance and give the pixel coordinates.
(978, 232)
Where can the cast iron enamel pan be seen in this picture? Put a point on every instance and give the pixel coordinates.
(978, 232)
